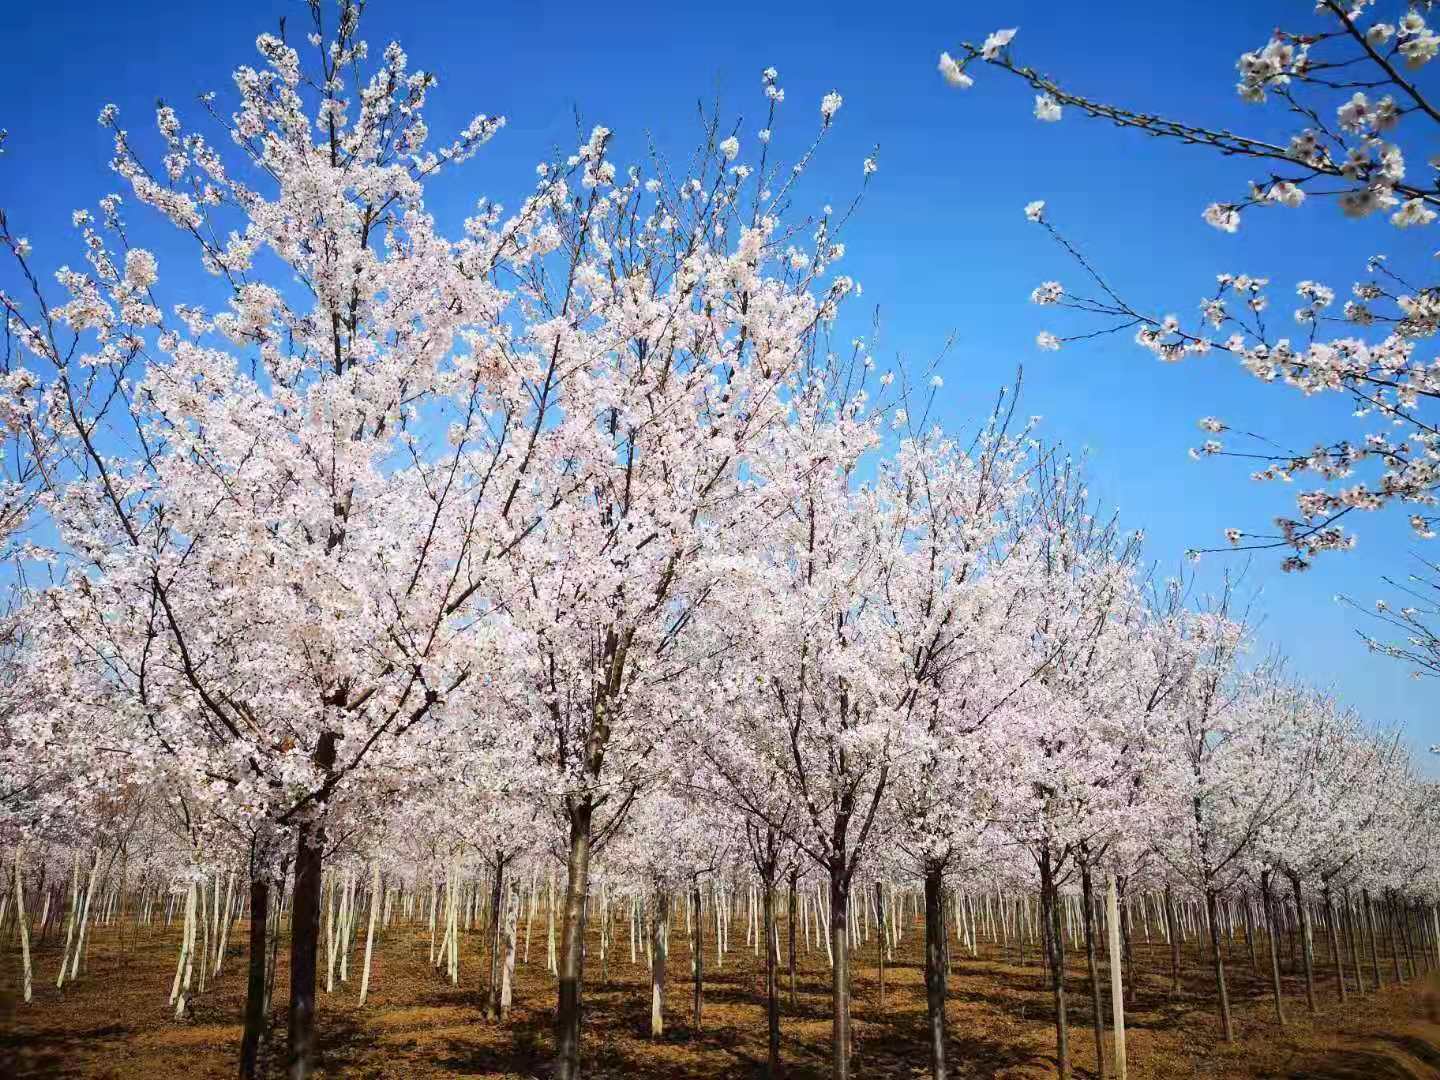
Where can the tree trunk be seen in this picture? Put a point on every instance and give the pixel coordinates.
(305, 948)
(659, 927)
(1432, 919)
(328, 901)
(1335, 954)
(1250, 935)
(1390, 921)
(1404, 911)
(839, 974)
(1307, 951)
(1212, 909)
(880, 939)
(26, 971)
(935, 968)
(1352, 931)
(1055, 958)
(1087, 898)
(1370, 924)
(1117, 991)
(375, 898)
(1175, 932)
(772, 996)
(255, 981)
(698, 961)
(497, 896)
(572, 941)
(949, 917)
(794, 898)
(272, 935)
(1126, 943)
(222, 918)
(1273, 930)
(305, 928)
(507, 969)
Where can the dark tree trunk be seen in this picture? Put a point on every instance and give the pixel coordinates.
(492, 1004)
(950, 914)
(1290, 938)
(880, 938)
(1022, 926)
(659, 934)
(1402, 913)
(935, 968)
(1055, 960)
(840, 972)
(272, 929)
(1127, 949)
(698, 961)
(1087, 898)
(1212, 909)
(305, 928)
(572, 940)
(1370, 925)
(305, 948)
(255, 982)
(772, 995)
(794, 898)
(1250, 935)
(1335, 954)
(1267, 898)
(1307, 952)
(1352, 931)
(1173, 919)
(1391, 916)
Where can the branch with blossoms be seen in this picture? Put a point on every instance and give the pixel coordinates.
(1349, 149)
(1416, 621)
(1354, 73)
(1238, 305)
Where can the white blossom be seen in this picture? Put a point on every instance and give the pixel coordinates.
(953, 73)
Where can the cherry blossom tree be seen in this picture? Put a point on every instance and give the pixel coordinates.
(1068, 758)
(815, 695)
(958, 605)
(674, 345)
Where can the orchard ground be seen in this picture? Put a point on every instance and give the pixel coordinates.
(114, 1021)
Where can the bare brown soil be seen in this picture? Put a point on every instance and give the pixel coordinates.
(115, 1023)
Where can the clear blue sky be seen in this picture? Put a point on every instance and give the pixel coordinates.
(941, 245)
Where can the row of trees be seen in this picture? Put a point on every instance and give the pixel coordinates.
(379, 524)
(1222, 802)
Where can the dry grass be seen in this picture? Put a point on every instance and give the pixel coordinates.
(115, 1023)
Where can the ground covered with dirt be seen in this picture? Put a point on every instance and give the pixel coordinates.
(115, 1022)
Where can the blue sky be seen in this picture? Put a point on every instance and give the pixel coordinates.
(941, 245)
